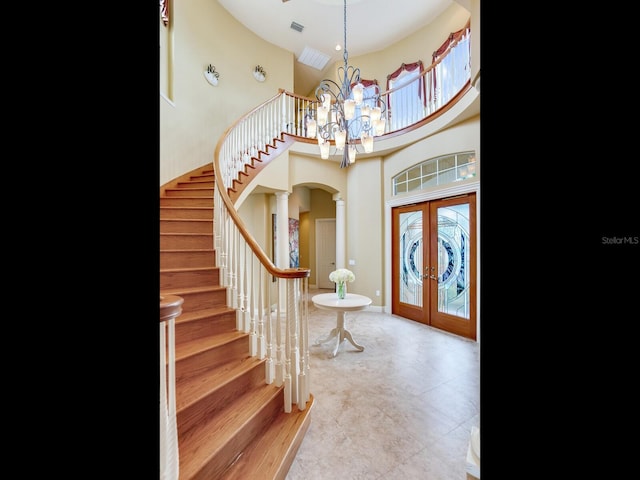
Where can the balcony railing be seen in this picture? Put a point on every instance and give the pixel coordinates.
(440, 86)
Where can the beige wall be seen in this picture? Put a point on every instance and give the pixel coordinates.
(365, 228)
(255, 213)
(195, 114)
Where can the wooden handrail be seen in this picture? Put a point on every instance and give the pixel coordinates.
(231, 209)
(170, 307)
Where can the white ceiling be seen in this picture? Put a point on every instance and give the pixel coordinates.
(372, 25)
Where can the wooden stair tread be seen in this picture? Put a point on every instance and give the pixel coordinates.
(198, 345)
(205, 441)
(198, 197)
(187, 219)
(186, 207)
(187, 250)
(187, 269)
(263, 458)
(203, 313)
(187, 234)
(182, 189)
(185, 291)
(193, 389)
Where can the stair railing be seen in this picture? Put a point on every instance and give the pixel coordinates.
(272, 303)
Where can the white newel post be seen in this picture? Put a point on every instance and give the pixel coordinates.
(340, 234)
(170, 308)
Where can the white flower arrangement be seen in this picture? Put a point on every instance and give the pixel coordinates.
(342, 275)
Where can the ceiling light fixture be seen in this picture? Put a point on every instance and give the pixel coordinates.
(344, 115)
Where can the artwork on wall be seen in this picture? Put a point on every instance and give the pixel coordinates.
(294, 241)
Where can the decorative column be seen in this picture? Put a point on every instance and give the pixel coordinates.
(341, 234)
(281, 247)
(282, 226)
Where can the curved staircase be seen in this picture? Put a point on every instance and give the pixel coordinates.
(231, 423)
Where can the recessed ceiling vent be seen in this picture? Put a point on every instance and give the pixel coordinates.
(314, 58)
(297, 27)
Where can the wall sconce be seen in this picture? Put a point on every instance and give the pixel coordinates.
(211, 75)
(259, 73)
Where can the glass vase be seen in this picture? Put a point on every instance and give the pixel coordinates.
(342, 290)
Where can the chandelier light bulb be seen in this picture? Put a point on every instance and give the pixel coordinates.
(379, 125)
(323, 114)
(324, 149)
(358, 93)
(340, 137)
(367, 142)
(376, 113)
(352, 153)
(349, 109)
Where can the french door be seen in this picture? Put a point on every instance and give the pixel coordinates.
(434, 263)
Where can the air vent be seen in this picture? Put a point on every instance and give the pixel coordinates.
(297, 27)
(313, 58)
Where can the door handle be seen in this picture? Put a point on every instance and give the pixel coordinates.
(432, 277)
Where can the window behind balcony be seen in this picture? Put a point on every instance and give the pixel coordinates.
(407, 102)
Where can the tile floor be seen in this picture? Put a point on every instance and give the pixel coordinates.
(401, 409)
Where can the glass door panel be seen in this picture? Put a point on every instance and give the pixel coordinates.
(409, 251)
(452, 274)
(453, 262)
(410, 240)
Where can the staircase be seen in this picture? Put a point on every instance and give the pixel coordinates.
(231, 424)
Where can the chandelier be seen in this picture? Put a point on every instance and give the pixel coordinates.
(343, 114)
